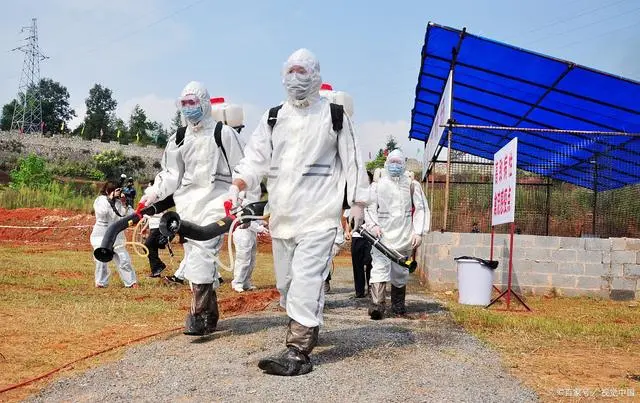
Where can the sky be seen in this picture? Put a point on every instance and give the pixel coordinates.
(145, 51)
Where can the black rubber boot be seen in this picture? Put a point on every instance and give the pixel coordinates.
(295, 359)
(194, 325)
(377, 307)
(290, 362)
(398, 295)
(212, 315)
(203, 318)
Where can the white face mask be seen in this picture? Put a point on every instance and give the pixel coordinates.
(298, 85)
(395, 169)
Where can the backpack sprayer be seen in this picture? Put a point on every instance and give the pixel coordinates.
(105, 252)
(171, 224)
(395, 256)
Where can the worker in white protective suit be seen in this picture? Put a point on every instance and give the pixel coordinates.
(307, 163)
(197, 173)
(245, 241)
(109, 207)
(393, 198)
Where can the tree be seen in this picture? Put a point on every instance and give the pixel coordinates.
(120, 127)
(159, 134)
(381, 157)
(392, 144)
(138, 125)
(100, 107)
(378, 162)
(55, 105)
(176, 122)
(7, 115)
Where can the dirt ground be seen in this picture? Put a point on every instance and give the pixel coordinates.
(544, 368)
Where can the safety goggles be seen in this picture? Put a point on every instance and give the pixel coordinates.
(189, 100)
(297, 69)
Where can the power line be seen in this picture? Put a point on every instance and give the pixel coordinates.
(572, 17)
(602, 34)
(561, 34)
(136, 31)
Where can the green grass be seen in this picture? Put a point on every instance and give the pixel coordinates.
(54, 195)
(52, 314)
(606, 323)
(583, 342)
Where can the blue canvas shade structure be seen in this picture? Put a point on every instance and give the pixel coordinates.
(573, 123)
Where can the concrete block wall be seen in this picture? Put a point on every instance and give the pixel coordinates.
(572, 266)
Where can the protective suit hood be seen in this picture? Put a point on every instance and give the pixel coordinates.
(198, 89)
(395, 163)
(302, 89)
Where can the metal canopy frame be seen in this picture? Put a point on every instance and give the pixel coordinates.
(520, 103)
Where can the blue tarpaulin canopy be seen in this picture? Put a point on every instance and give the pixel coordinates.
(495, 84)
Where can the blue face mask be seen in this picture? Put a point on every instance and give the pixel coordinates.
(395, 169)
(192, 114)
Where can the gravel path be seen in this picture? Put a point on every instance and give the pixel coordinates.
(426, 358)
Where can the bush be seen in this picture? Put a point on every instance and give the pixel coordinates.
(31, 172)
(113, 163)
(85, 170)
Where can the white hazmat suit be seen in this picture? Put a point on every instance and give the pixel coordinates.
(399, 211)
(105, 216)
(196, 173)
(246, 249)
(307, 164)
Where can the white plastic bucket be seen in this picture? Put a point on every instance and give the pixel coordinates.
(475, 281)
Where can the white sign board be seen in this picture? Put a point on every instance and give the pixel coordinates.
(442, 117)
(504, 184)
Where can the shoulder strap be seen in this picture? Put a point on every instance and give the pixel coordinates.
(273, 116)
(411, 187)
(180, 135)
(337, 116)
(345, 202)
(217, 135)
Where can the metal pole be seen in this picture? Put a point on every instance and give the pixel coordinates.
(595, 196)
(446, 186)
(492, 237)
(548, 208)
(513, 226)
(433, 184)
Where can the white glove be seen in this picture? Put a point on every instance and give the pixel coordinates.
(234, 195)
(416, 240)
(376, 230)
(149, 197)
(357, 213)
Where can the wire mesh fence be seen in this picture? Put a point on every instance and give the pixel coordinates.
(543, 206)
